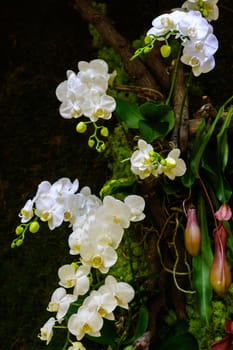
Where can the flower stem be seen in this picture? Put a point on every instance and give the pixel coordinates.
(174, 76)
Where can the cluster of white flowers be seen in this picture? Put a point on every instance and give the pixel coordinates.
(145, 162)
(196, 34)
(208, 8)
(58, 202)
(97, 230)
(84, 93)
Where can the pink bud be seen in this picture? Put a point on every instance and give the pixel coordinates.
(192, 233)
(223, 213)
(220, 273)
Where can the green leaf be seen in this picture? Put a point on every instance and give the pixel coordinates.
(108, 334)
(117, 185)
(142, 325)
(215, 177)
(158, 120)
(201, 266)
(128, 113)
(222, 141)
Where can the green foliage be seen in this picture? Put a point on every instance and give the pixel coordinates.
(178, 337)
(141, 326)
(154, 120)
(201, 266)
(207, 334)
(200, 158)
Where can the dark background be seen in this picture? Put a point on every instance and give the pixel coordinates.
(39, 41)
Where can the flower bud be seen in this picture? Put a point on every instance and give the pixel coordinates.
(101, 148)
(165, 50)
(192, 233)
(148, 39)
(104, 131)
(220, 273)
(34, 227)
(19, 242)
(19, 229)
(147, 49)
(224, 213)
(81, 127)
(91, 143)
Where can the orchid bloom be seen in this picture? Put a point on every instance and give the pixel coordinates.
(173, 166)
(208, 8)
(85, 321)
(60, 302)
(27, 212)
(122, 291)
(46, 332)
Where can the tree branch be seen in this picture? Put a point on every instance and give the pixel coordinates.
(135, 68)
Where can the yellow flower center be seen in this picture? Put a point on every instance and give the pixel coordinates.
(101, 311)
(45, 216)
(97, 261)
(86, 328)
(76, 113)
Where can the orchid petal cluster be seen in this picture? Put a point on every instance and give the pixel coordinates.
(145, 162)
(208, 8)
(85, 93)
(58, 202)
(196, 35)
(97, 230)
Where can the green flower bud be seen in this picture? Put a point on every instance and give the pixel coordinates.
(19, 242)
(81, 127)
(101, 148)
(165, 50)
(147, 39)
(34, 227)
(91, 143)
(19, 229)
(13, 244)
(104, 131)
(147, 49)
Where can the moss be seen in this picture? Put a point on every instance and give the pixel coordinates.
(222, 309)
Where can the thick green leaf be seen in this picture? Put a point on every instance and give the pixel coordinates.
(215, 177)
(201, 266)
(117, 185)
(158, 120)
(142, 325)
(195, 163)
(222, 141)
(128, 113)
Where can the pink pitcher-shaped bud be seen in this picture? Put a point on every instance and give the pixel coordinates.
(192, 233)
(224, 213)
(220, 273)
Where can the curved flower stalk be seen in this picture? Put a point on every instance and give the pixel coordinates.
(220, 273)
